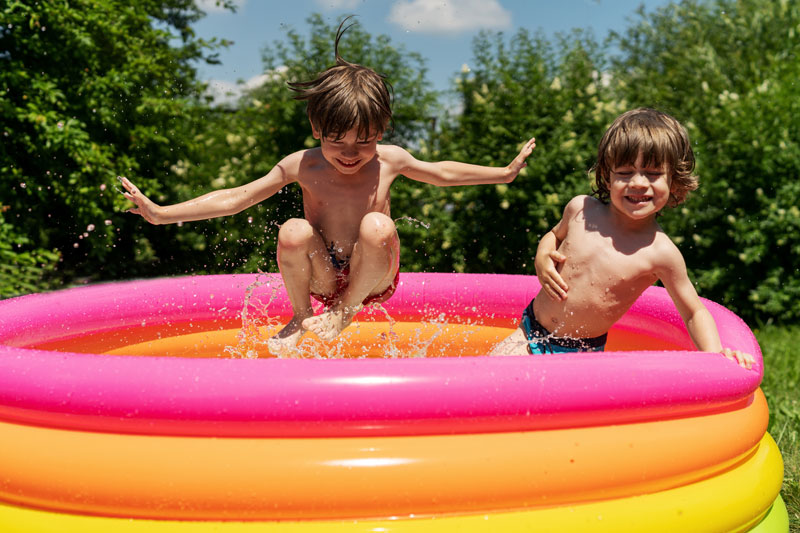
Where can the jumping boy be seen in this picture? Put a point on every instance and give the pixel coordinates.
(607, 249)
(345, 252)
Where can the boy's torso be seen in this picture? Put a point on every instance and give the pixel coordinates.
(606, 269)
(335, 203)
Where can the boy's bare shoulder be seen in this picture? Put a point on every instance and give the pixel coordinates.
(391, 150)
(394, 156)
(581, 203)
(581, 200)
(303, 156)
(298, 163)
(666, 253)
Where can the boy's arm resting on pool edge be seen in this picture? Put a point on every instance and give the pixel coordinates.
(449, 173)
(214, 204)
(700, 324)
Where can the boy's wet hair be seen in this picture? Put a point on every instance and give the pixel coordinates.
(660, 138)
(346, 96)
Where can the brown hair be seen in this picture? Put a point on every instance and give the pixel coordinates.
(660, 139)
(346, 96)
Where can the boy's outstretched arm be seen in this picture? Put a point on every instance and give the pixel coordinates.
(448, 173)
(210, 205)
(699, 322)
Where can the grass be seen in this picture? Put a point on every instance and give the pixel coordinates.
(779, 346)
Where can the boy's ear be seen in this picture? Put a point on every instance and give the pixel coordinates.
(314, 130)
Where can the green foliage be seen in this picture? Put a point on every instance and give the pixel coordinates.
(517, 89)
(23, 270)
(90, 90)
(728, 70)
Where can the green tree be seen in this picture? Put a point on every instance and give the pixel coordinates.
(728, 69)
(23, 269)
(91, 89)
(523, 87)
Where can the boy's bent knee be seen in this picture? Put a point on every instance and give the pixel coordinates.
(376, 228)
(295, 233)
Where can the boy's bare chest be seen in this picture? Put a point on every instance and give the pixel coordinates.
(597, 258)
(336, 205)
(345, 192)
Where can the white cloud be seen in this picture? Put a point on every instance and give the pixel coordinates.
(226, 93)
(210, 6)
(338, 4)
(448, 16)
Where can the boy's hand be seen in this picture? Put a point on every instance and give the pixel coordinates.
(144, 206)
(551, 280)
(744, 359)
(519, 162)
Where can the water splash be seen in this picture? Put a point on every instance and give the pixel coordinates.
(250, 343)
(412, 221)
(258, 324)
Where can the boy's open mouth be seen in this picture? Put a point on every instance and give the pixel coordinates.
(348, 164)
(637, 199)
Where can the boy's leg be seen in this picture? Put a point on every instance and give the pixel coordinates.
(304, 264)
(514, 344)
(373, 266)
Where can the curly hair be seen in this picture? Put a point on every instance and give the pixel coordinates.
(659, 138)
(346, 96)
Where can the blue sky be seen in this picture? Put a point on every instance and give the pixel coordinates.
(441, 31)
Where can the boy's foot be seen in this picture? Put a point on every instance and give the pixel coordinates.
(285, 341)
(331, 323)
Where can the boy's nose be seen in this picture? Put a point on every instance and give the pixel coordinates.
(639, 180)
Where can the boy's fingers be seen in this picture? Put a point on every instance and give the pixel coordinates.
(745, 360)
(554, 291)
(562, 285)
(130, 187)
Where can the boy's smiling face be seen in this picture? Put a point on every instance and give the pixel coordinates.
(349, 153)
(640, 190)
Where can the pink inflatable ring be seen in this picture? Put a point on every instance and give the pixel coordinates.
(271, 397)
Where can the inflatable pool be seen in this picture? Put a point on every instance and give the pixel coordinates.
(121, 409)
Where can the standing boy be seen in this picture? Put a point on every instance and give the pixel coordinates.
(607, 249)
(345, 251)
